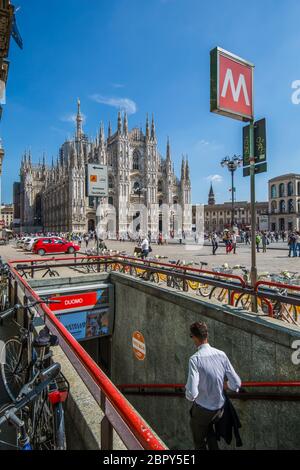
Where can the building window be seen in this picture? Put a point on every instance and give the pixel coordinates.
(281, 190)
(282, 206)
(111, 201)
(290, 206)
(273, 207)
(290, 189)
(160, 186)
(298, 188)
(110, 182)
(273, 191)
(135, 164)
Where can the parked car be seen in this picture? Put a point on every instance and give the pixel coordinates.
(54, 245)
(22, 242)
(29, 243)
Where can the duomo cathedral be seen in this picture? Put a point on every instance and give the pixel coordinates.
(53, 198)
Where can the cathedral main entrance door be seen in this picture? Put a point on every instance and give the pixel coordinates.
(91, 225)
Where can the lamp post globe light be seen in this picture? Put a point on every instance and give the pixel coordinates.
(232, 164)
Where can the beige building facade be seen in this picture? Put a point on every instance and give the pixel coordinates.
(284, 202)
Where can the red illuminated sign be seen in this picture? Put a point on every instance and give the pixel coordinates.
(231, 91)
(74, 301)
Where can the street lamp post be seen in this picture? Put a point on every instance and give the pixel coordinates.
(232, 164)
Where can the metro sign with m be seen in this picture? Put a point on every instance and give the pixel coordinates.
(231, 85)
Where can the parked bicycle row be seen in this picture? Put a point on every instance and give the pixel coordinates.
(35, 385)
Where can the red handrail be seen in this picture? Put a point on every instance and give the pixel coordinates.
(137, 425)
(181, 386)
(276, 284)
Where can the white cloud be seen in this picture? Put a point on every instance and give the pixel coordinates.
(203, 142)
(214, 178)
(71, 118)
(125, 104)
(117, 85)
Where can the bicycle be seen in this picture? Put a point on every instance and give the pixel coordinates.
(5, 274)
(26, 357)
(24, 268)
(19, 413)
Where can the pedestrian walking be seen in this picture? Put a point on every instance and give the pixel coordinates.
(292, 244)
(257, 241)
(297, 242)
(210, 373)
(234, 240)
(145, 248)
(215, 243)
(86, 239)
(264, 240)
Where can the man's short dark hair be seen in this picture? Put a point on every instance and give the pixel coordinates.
(200, 330)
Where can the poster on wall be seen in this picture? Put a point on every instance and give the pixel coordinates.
(86, 312)
(87, 324)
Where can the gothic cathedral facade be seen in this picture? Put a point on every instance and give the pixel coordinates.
(53, 198)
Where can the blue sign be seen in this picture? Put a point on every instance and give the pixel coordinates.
(87, 324)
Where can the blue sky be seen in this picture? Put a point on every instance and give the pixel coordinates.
(154, 54)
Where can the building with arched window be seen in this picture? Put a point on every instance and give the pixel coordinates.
(53, 198)
(284, 202)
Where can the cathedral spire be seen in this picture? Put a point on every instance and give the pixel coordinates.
(168, 150)
(79, 120)
(101, 134)
(211, 196)
(183, 169)
(119, 122)
(153, 129)
(147, 128)
(125, 124)
(187, 169)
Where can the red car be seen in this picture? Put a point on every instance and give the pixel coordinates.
(54, 245)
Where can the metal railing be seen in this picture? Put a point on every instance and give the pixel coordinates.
(233, 284)
(132, 429)
(178, 390)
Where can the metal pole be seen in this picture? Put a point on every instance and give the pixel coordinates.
(97, 223)
(253, 216)
(232, 198)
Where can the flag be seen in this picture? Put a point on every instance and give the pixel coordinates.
(15, 33)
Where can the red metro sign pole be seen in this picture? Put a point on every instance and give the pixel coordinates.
(231, 95)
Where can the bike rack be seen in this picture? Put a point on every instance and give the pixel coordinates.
(235, 283)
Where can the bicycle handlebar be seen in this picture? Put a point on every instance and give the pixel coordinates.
(48, 375)
(10, 311)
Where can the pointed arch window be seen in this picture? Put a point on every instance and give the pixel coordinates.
(136, 161)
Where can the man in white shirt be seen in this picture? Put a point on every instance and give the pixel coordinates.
(145, 247)
(210, 373)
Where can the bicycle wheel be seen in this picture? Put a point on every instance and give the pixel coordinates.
(59, 427)
(14, 370)
(42, 423)
(244, 301)
(154, 277)
(220, 294)
(204, 290)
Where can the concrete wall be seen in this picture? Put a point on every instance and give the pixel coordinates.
(259, 349)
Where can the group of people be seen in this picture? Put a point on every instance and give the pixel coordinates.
(262, 239)
(294, 244)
